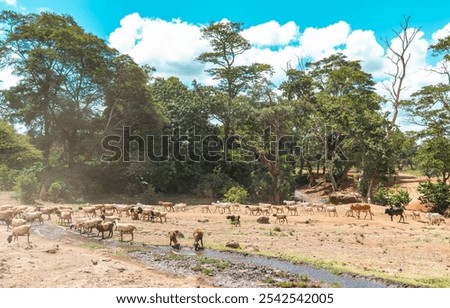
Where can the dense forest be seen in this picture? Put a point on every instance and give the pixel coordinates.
(98, 124)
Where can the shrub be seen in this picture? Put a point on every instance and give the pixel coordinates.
(236, 194)
(381, 195)
(214, 185)
(399, 198)
(26, 187)
(55, 191)
(7, 177)
(394, 197)
(436, 193)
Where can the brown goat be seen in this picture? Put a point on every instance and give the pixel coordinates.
(173, 234)
(168, 206)
(198, 239)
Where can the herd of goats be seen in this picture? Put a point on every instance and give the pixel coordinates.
(106, 218)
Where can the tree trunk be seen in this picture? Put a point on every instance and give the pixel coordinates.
(370, 189)
(302, 166)
(330, 167)
(226, 134)
(276, 191)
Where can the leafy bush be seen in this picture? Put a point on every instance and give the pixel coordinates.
(55, 191)
(26, 186)
(7, 177)
(214, 185)
(399, 198)
(236, 194)
(381, 195)
(393, 197)
(436, 193)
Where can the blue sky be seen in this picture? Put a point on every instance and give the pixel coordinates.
(101, 17)
(167, 36)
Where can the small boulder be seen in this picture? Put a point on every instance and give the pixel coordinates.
(344, 198)
(232, 244)
(263, 220)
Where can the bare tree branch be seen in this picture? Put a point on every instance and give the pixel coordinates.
(400, 58)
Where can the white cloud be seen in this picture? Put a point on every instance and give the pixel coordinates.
(441, 33)
(322, 42)
(362, 45)
(271, 33)
(10, 2)
(7, 79)
(170, 46)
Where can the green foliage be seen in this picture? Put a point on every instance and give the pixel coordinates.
(393, 197)
(381, 195)
(16, 150)
(437, 194)
(399, 198)
(214, 185)
(433, 159)
(55, 191)
(26, 186)
(7, 177)
(236, 194)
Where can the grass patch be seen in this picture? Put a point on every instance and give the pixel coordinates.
(197, 268)
(414, 172)
(436, 282)
(219, 264)
(277, 229)
(207, 271)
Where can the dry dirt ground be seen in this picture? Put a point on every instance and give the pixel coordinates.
(413, 253)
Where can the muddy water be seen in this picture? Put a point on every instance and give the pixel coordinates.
(244, 270)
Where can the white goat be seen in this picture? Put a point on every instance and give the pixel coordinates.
(125, 228)
(19, 231)
(331, 209)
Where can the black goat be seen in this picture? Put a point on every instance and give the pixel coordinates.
(235, 219)
(394, 211)
(135, 213)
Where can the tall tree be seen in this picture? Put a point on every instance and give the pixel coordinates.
(227, 45)
(128, 97)
(345, 106)
(62, 70)
(430, 106)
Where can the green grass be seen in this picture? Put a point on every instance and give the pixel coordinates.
(414, 172)
(207, 271)
(219, 264)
